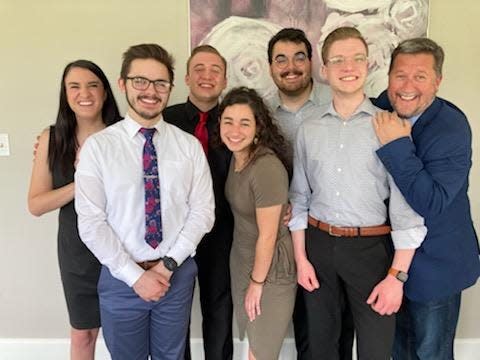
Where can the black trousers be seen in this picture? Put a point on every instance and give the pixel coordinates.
(300, 329)
(348, 269)
(212, 257)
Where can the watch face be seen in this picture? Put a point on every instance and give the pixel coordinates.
(403, 277)
(169, 263)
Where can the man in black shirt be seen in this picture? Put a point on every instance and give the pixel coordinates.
(206, 79)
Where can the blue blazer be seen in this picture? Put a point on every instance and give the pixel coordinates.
(432, 174)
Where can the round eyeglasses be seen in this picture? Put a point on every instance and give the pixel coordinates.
(339, 61)
(298, 60)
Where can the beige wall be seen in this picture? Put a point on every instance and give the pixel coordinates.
(37, 38)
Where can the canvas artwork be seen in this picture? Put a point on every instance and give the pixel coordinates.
(241, 29)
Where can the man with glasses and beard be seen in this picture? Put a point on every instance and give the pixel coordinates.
(143, 194)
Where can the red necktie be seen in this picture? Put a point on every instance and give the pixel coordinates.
(201, 132)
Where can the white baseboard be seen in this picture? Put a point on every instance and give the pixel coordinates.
(58, 349)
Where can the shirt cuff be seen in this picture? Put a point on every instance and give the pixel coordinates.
(130, 273)
(409, 238)
(298, 222)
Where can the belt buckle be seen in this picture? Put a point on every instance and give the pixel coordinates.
(330, 231)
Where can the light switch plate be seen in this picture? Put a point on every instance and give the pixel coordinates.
(4, 145)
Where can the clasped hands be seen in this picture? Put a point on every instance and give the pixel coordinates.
(154, 283)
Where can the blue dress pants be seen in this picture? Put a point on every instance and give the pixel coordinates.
(135, 329)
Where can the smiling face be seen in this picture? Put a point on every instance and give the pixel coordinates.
(146, 106)
(412, 83)
(291, 70)
(346, 67)
(205, 78)
(238, 129)
(85, 93)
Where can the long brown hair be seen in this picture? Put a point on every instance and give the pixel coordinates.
(63, 150)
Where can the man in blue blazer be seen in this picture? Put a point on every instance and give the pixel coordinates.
(427, 149)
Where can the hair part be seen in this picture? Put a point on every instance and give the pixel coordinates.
(341, 33)
(206, 49)
(65, 145)
(267, 132)
(296, 36)
(420, 46)
(147, 51)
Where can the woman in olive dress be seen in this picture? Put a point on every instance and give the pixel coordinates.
(261, 261)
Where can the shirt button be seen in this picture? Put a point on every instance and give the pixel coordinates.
(344, 123)
(341, 146)
(337, 193)
(339, 170)
(336, 215)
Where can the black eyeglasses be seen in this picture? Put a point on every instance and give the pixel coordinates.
(141, 83)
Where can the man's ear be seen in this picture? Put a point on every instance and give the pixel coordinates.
(121, 84)
(323, 73)
(438, 81)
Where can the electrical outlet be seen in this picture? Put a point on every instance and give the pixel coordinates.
(4, 145)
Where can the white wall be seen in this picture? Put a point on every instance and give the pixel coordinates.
(37, 39)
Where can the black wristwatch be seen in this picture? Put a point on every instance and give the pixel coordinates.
(170, 263)
(400, 275)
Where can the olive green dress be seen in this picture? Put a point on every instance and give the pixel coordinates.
(262, 183)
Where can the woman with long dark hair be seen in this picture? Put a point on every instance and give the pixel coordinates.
(87, 105)
(261, 261)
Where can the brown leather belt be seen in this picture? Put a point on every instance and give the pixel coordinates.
(147, 265)
(350, 231)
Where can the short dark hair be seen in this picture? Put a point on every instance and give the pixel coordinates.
(296, 36)
(341, 33)
(267, 133)
(147, 51)
(420, 46)
(65, 146)
(206, 49)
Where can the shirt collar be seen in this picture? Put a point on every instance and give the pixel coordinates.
(319, 95)
(414, 119)
(192, 111)
(132, 127)
(365, 107)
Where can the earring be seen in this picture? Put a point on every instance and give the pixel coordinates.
(255, 140)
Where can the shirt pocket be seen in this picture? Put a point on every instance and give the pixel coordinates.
(176, 179)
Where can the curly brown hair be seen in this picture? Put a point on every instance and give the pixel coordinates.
(268, 134)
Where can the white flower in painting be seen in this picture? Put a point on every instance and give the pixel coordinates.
(377, 81)
(409, 18)
(352, 6)
(380, 40)
(243, 42)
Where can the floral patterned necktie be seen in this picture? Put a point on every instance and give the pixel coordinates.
(201, 132)
(153, 216)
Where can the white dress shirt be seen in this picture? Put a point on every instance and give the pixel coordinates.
(110, 196)
(338, 178)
